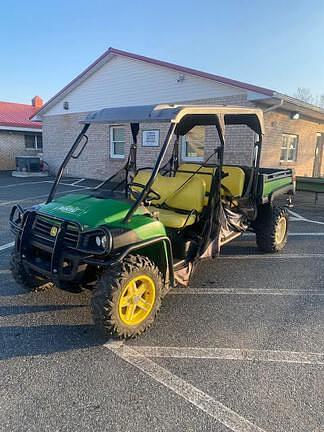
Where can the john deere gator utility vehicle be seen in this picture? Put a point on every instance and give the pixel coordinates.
(143, 230)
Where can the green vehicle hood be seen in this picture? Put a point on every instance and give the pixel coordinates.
(91, 212)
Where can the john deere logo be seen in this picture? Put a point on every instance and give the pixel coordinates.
(53, 231)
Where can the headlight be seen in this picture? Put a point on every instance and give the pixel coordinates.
(97, 241)
(102, 241)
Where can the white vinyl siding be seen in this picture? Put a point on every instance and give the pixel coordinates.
(125, 82)
(117, 142)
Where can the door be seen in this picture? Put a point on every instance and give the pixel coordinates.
(318, 159)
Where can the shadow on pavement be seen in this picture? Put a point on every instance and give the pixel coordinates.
(20, 341)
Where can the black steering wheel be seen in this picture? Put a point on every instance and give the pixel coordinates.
(151, 195)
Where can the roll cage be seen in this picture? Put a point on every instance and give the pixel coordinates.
(182, 118)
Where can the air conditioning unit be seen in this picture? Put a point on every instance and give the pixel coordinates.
(28, 166)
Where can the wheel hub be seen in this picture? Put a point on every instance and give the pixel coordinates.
(137, 300)
(281, 230)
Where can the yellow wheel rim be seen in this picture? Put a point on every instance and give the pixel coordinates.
(281, 230)
(137, 300)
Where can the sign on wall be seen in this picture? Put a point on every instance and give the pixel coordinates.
(151, 138)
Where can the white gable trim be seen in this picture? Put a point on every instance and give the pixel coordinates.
(123, 81)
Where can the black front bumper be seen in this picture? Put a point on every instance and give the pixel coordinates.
(53, 259)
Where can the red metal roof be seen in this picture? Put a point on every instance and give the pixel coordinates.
(17, 115)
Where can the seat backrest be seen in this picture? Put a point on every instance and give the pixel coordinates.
(173, 191)
(234, 182)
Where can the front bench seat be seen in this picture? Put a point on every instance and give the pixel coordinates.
(234, 182)
(186, 201)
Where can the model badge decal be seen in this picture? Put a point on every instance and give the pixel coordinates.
(53, 231)
(72, 210)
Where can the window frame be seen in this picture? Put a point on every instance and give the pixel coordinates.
(185, 158)
(286, 160)
(36, 136)
(114, 155)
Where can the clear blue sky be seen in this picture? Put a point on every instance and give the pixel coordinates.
(275, 44)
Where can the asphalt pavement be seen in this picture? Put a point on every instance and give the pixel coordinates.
(241, 350)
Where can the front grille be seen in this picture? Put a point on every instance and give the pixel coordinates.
(42, 232)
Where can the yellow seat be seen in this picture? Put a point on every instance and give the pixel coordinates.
(188, 198)
(234, 182)
(172, 219)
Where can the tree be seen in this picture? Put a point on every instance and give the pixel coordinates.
(304, 94)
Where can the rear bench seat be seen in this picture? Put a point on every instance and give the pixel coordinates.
(234, 182)
(188, 200)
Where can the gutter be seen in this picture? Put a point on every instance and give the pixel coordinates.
(273, 107)
(20, 129)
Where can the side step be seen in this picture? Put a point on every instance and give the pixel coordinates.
(233, 235)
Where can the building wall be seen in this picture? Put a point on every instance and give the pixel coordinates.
(60, 131)
(124, 82)
(12, 144)
(278, 123)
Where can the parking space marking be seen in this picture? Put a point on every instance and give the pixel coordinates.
(277, 256)
(182, 388)
(231, 354)
(7, 246)
(300, 218)
(5, 272)
(245, 291)
(25, 183)
(41, 196)
(77, 182)
(292, 234)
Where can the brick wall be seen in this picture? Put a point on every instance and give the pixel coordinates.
(277, 123)
(59, 132)
(12, 144)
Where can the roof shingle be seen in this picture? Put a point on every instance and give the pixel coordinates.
(17, 115)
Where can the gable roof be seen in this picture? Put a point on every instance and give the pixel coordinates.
(107, 55)
(263, 95)
(16, 115)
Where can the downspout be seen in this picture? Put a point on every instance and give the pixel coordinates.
(273, 107)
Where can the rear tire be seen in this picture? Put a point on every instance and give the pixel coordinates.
(127, 297)
(24, 279)
(271, 228)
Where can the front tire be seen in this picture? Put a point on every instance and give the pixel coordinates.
(127, 297)
(271, 229)
(24, 279)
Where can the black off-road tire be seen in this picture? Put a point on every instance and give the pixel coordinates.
(25, 280)
(266, 228)
(109, 287)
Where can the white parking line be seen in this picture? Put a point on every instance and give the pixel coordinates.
(190, 393)
(245, 291)
(232, 354)
(7, 246)
(25, 183)
(273, 256)
(303, 219)
(5, 272)
(77, 181)
(292, 234)
(40, 196)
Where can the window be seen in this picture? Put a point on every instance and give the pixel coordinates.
(192, 145)
(289, 148)
(33, 142)
(117, 142)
